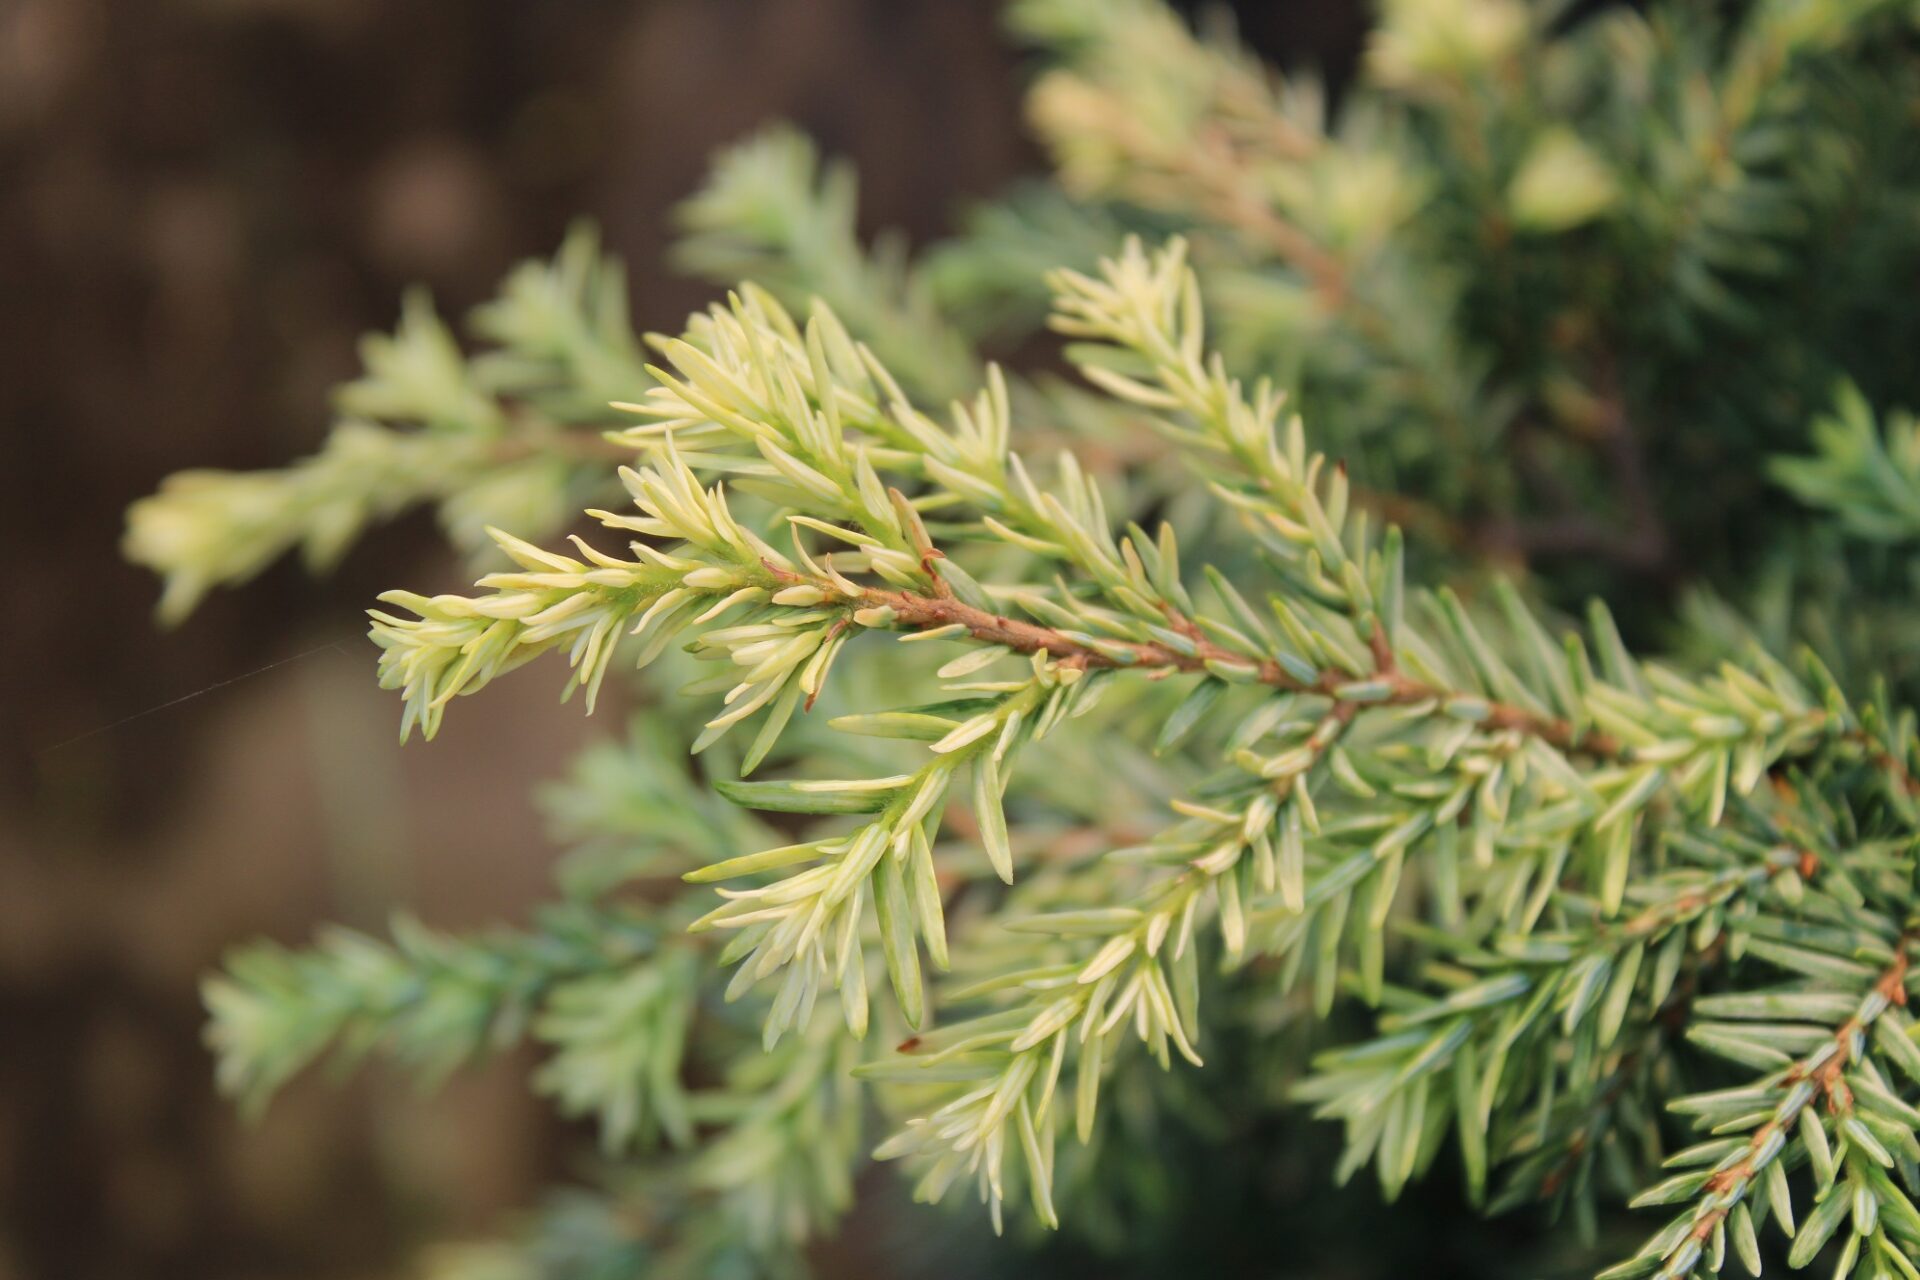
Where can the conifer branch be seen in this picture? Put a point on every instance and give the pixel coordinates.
(1548, 873)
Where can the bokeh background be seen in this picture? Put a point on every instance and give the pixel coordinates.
(203, 204)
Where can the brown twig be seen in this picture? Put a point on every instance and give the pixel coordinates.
(1826, 1079)
(925, 613)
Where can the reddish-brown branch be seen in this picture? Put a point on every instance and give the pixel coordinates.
(925, 613)
(1826, 1079)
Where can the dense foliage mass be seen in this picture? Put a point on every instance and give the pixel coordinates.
(1053, 730)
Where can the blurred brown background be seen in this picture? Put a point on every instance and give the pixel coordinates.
(205, 203)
